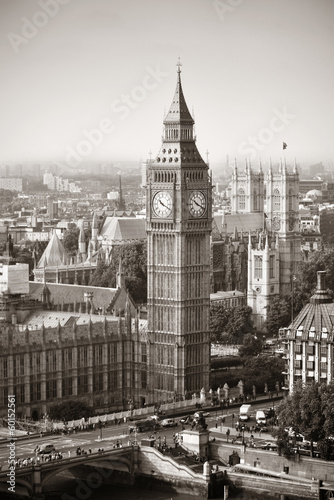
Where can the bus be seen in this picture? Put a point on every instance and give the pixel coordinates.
(143, 425)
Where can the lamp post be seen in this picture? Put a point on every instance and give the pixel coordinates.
(100, 427)
(243, 434)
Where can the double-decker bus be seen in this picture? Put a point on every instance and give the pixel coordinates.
(148, 424)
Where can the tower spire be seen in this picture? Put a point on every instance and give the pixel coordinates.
(179, 64)
(120, 204)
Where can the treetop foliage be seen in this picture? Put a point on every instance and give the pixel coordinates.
(71, 410)
(229, 325)
(133, 258)
(251, 346)
(308, 411)
(304, 284)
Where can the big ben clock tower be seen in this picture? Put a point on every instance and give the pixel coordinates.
(178, 208)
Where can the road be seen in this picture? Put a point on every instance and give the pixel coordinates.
(91, 439)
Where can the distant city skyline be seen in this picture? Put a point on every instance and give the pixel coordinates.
(91, 80)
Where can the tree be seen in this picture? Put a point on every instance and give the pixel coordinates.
(306, 278)
(308, 410)
(239, 323)
(71, 410)
(251, 346)
(278, 315)
(261, 370)
(71, 240)
(230, 323)
(133, 257)
(218, 322)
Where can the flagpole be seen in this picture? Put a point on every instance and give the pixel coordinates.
(284, 148)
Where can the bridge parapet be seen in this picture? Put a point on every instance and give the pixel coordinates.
(31, 479)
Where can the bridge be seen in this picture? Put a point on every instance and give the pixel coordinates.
(30, 480)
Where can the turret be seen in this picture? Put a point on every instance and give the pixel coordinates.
(82, 244)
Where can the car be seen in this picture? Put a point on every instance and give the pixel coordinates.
(168, 422)
(46, 448)
(269, 446)
(187, 419)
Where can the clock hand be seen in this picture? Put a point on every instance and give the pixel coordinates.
(198, 204)
(163, 204)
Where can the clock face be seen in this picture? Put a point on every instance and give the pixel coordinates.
(197, 204)
(163, 204)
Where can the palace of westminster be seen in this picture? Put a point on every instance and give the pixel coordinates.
(62, 339)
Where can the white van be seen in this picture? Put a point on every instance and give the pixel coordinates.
(245, 412)
(260, 417)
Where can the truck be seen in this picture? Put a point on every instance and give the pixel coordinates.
(260, 417)
(245, 412)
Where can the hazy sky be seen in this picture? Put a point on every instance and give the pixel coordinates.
(254, 72)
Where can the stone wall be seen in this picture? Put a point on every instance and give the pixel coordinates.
(270, 487)
(160, 469)
(304, 467)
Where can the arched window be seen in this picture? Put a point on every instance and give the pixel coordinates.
(242, 199)
(277, 200)
(255, 200)
(290, 200)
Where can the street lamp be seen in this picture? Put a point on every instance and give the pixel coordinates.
(243, 434)
(100, 427)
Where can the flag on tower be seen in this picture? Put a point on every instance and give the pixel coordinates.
(285, 145)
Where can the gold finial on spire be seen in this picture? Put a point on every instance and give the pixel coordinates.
(179, 64)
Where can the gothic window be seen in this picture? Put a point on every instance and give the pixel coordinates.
(51, 358)
(21, 365)
(290, 200)
(277, 200)
(258, 266)
(112, 353)
(83, 356)
(160, 358)
(22, 394)
(242, 199)
(143, 353)
(271, 266)
(255, 200)
(143, 379)
(112, 380)
(4, 368)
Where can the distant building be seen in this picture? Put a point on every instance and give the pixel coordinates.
(257, 246)
(63, 343)
(306, 185)
(11, 183)
(228, 299)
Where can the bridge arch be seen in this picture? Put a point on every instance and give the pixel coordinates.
(111, 462)
(22, 486)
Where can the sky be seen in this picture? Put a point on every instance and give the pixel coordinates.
(92, 79)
